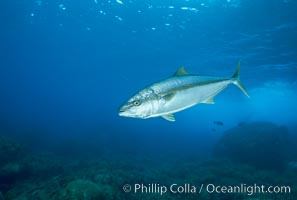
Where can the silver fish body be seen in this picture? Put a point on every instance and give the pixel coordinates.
(176, 93)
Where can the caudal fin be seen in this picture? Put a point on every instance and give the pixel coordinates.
(236, 80)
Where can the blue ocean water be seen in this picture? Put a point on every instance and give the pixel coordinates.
(67, 66)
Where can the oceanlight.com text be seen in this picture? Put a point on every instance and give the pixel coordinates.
(187, 188)
(248, 189)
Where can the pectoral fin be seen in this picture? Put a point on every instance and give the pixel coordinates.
(169, 117)
(168, 96)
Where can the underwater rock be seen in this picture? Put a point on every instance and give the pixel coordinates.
(260, 144)
(1, 196)
(9, 150)
(85, 190)
(42, 165)
(10, 169)
(9, 158)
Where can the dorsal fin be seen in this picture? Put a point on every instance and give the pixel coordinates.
(180, 72)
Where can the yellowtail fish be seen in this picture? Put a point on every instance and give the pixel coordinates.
(176, 93)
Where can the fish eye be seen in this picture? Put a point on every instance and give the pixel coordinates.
(136, 103)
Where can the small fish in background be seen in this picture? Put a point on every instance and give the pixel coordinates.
(176, 93)
(213, 130)
(219, 123)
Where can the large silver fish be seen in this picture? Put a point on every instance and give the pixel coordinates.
(176, 93)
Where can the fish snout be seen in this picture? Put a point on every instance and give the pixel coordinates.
(123, 110)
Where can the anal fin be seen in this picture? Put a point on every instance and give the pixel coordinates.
(169, 117)
(209, 100)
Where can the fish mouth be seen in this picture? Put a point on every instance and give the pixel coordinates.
(122, 112)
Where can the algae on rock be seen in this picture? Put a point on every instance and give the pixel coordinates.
(85, 190)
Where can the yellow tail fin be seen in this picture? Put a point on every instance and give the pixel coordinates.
(236, 80)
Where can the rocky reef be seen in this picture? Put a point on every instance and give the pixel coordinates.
(48, 176)
(9, 150)
(18, 165)
(260, 144)
(85, 190)
(9, 167)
